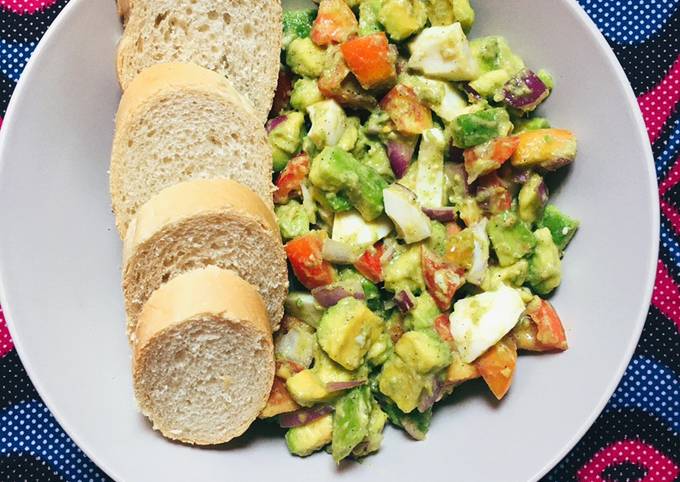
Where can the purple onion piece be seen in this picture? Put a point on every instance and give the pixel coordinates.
(400, 153)
(303, 416)
(328, 296)
(405, 300)
(443, 215)
(275, 122)
(456, 154)
(427, 400)
(337, 386)
(554, 164)
(473, 95)
(525, 91)
(543, 193)
(520, 176)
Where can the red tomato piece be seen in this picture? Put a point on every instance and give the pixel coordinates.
(290, 179)
(370, 263)
(304, 254)
(442, 325)
(334, 23)
(497, 366)
(549, 329)
(406, 111)
(336, 83)
(488, 157)
(441, 279)
(370, 59)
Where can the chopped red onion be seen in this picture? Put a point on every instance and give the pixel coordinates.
(405, 300)
(427, 400)
(520, 176)
(303, 416)
(543, 193)
(337, 386)
(473, 95)
(274, 123)
(328, 296)
(400, 152)
(554, 164)
(443, 215)
(525, 91)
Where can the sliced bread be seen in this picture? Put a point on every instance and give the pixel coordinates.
(203, 361)
(238, 40)
(201, 223)
(178, 122)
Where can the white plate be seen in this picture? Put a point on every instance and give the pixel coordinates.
(60, 261)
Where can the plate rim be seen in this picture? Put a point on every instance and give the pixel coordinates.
(61, 21)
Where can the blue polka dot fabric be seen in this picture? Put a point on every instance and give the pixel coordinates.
(637, 436)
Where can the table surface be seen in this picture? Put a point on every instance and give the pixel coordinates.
(637, 436)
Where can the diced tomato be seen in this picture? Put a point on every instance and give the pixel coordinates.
(370, 265)
(441, 279)
(492, 194)
(370, 59)
(548, 149)
(336, 83)
(304, 254)
(442, 325)
(290, 179)
(279, 400)
(459, 371)
(335, 23)
(497, 366)
(549, 330)
(488, 157)
(406, 111)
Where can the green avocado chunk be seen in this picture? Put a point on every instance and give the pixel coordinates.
(510, 237)
(309, 438)
(545, 266)
(402, 18)
(532, 198)
(305, 58)
(402, 383)
(297, 24)
(305, 93)
(303, 306)
(513, 275)
(424, 351)
(446, 12)
(335, 170)
(351, 421)
(286, 138)
(405, 272)
(469, 130)
(293, 220)
(347, 330)
(373, 439)
(368, 17)
(423, 314)
(562, 227)
(533, 124)
(493, 53)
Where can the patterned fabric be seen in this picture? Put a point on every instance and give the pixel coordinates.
(637, 436)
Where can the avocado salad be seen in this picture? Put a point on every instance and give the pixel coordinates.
(411, 196)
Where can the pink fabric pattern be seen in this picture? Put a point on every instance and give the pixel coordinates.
(28, 7)
(657, 104)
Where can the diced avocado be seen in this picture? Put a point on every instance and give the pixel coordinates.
(423, 314)
(423, 350)
(489, 83)
(307, 439)
(545, 266)
(513, 275)
(562, 227)
(405, 272)
(305, 93)
(333, 201)
(443, 53)
(469, 130)
(373, 439)
(369, 10)
(546, 78)
(380, 351)
(493, 53)
(373, 154)
(293, 220)
(352, 277)
(328, 371)
(286, 138)
(533, 124)
(402, 383)
(304, 307)
(456, 184)
(430, 184)
(335, 170)
(379, 124)
(297, 24)
(438, 95)
(532, 198)
(305, 58)
(347, 330)
(297, 344)
(446, 12)
(402, 18)
(510, 237)
(349, 138)
(306, 388)
(402, 207)
(417, 423)
(328, 123)
(350, 421)
(437, 240)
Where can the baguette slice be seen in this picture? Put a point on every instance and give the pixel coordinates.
(203, 361)
(201, 223)
(238, 40)
(178, 122)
